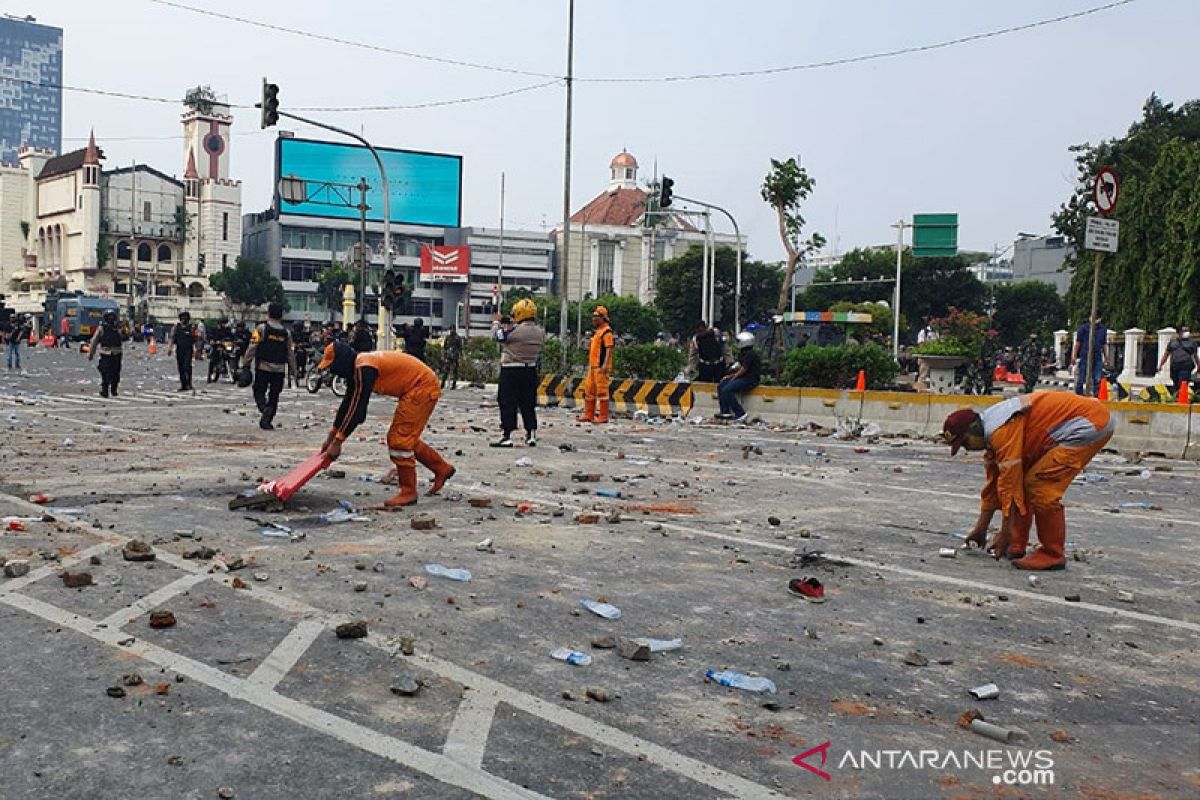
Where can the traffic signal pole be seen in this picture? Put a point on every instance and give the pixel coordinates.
(566, 251)
(737, 234)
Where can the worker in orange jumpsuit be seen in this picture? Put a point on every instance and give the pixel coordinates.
(599, 374)
(417, 390)
(1035, 445)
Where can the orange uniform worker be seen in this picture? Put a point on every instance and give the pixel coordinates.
(599, 374)
(1036, 444)
(417, 390)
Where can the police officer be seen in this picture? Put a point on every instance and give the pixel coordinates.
(107, 340)
(522, 347)
(217, 337)
(183, 340)
(274, 356)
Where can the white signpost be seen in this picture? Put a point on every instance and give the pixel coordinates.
(1101, 234)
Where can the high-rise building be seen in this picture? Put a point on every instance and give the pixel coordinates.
(31, 61)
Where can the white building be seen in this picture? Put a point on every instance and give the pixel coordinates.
(131, 233)
(612, 248)
(528, 263)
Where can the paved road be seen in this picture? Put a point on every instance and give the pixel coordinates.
(251, 690)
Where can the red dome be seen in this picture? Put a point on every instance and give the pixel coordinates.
(623, 159)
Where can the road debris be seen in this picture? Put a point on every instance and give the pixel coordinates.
(76, 580)
(989, 691)
(405, 685)
(162, 619)
(738, 680)
(137, 550)
(453, 574)
(572, 657)
(351, 630)
(605, 610)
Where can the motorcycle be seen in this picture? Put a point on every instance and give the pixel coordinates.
(323, 377)
(223, 361)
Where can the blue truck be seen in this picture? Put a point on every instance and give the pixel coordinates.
(83, 313)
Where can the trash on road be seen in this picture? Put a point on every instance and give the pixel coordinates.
(137, 550)
(1034, 581)
(989, 691)
(274, 533)
(523, 461)
(660, 645)
(41, 499)
(947, 552)
(809, 588)
(453, 574)
(996, 732)
(737, 680)
(605, 610)
(1139, 507)
(162, 619)
(405, 685)
(345, 512)
(485, 546)
(1091, 477)
(65, 512)
(1124, 597)
(351, 630)
(608, 492)
(572, 657)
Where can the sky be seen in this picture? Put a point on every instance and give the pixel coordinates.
(980, 128)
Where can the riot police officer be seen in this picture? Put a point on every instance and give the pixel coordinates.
(107, 340)
(183, 341)
(273, 356)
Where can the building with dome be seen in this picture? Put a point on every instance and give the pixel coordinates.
(615, 247)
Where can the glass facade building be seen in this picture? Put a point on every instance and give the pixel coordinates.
(31, 63)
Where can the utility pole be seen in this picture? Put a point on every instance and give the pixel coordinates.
(362, 246)
(500, 263)
(562, 315)
(737, 234)
(899, 226)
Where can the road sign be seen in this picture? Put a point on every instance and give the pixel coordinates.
(1105, 191)
(1101, 234)
(935, 235)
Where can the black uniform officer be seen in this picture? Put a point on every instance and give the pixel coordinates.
(183, 341)
(273, 355)
(107, 340)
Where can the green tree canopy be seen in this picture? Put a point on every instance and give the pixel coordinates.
(627, 315)
(332, 280)
(249, 284)
(677, 295)
(1154, 279)
(1027, 307)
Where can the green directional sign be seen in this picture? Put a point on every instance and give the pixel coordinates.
(935, 235)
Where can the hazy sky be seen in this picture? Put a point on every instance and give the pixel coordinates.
(981, 128)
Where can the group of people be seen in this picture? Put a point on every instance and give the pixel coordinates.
(707, 364)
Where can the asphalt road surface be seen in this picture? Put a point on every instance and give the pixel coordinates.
(252, 695)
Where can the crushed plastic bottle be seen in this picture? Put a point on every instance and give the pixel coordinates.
(66, 512)
(608, 492)
(446, 572)
(739, 681)
(275, 533)
(660, 645)
(811, 452)
(523, 461)
(1141, 506)
(345, 512)
(605, 610)
(1092, 477)
(572, 657)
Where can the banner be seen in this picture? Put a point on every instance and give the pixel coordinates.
(445, 263)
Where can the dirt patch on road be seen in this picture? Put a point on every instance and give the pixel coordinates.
(1020, 660)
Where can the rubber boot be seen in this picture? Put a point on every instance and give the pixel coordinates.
(1017, 545)
(406, 475)
(602, 411)
(589, 411)
(1052, 538)
(432, 460)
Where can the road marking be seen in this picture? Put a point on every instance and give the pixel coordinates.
(469, 731)
(121, 618)
(35, 575)
(285, 655)
(408, 755)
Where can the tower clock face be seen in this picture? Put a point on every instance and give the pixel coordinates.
(214, 144)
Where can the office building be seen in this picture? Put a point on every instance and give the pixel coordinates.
(1041, 258)
(31, 66)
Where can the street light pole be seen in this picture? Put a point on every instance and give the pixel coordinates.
(737, 234)
(500, 263)
(899, 226)
(562, 313)
(362, 245)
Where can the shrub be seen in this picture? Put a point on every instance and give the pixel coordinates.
(837, 366)
(552, 356)
(651, 362)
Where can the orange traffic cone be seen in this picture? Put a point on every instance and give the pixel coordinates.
(153, 347)
(1103, 395)
(860, 385)
(1185, 393)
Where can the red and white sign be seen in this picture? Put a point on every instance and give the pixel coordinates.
(1105, 191)
(445, 263)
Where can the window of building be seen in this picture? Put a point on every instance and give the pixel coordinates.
(162, 291)
(604, 268)
(164, 254)
(224, 226)
(628, 173)
(123, 251)
(143, 253)
(147, 210)
(224, 260)
(296, 270)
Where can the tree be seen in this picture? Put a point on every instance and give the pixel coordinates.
(1027, 307)
(201, 99)
(677, 295)
(331, 282)
(628, 316)
(1154, 279)
(786, 186)
(248, 285)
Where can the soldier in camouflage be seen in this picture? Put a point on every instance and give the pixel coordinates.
(1031, 361)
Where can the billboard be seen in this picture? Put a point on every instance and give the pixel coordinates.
(426, 188)
(445, 263)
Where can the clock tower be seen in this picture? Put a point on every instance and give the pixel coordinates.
(212, 201)
(206, 135)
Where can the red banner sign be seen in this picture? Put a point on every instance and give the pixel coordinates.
(445, 263)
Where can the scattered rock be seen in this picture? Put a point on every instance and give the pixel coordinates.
(586, 477)
(235, 563)
(16, 568)
(604, 642)
(377, 566)
(915, 659)
(567, 694)
(423, 522)
(480, 502)
(408, 645)
(774, 522)
(238, 583)
(163, 689)
(225, 793)
(132, 679)
(613, 518)
(1062, 737)
(1124, 597)
(201, 554)
(1071, 598)
(587, 518)
(784, 666)
(967, 717)
(360, 586)
(633, 650)
(335, 473)
(599, 695)
(351, 630)
(262, 577)
(162, 619)
(877, 642)
(94, 561)
(137, 550)
(115, 691)
(405, 685)
(417, 582)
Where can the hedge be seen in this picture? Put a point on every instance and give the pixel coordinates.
(837, 366)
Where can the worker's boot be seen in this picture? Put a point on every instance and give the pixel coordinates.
(432, 460)
(589, 411)
(406, 475)
(602, 411)
(1021, 523)
(1052, 538)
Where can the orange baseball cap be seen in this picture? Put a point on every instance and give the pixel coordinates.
(327, 358)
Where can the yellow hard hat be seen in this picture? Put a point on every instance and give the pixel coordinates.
(523, 309)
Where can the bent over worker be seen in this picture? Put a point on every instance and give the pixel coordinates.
(1035, 446)
(415, 386)
(599, 374)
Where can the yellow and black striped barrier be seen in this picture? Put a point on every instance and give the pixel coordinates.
(656, 398)
(1156, 393)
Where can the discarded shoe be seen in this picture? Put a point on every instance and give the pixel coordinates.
(808, 588)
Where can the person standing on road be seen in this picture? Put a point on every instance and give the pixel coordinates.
(599, 373)
(521, 348)
(744, 378)
(107, 340)
(706, 356)
(1035, 445)
(64, 332)
(415, 387)
(924, 336)
(452, 350)
(1031, 362)
(1079, 354)
(183, 342)
(1182, 352)
(16, 337)
(414, 339)
(273, 356)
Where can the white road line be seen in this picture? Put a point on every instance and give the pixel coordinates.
(469, 731)
(285, 655)
(121, 618)
(435, 765)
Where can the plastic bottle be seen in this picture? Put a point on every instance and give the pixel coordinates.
(572, 657)
(601, 609)
(608, 492)
(1141, 506)
(446, 572)
(660, 645)
(739, 681)
(337, 515)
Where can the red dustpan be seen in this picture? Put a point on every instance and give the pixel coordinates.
(283, 488)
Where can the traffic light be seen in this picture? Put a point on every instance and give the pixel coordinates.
(666, 193)
(400, 292)
(388, 294)
(269, 104)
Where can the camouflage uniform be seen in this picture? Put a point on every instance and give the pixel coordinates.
(1031, 363)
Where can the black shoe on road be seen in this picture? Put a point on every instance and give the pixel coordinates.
(531, 439)
(104, 392)
(504, 441)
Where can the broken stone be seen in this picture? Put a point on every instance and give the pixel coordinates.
(238, 583)
(877, 642)
(613, 518)
(235, 563)
(137, 550)
(567, 695)
(225, 793)
(586, 477)
(16, 568)
(408, 645)
(161, 619)
(604, 642)
(633, 650)
(967, 717)
(377, 566)
(423, 522)
(417, 582)
(76, 580)
(262, 577)
(1124, 597)
(774, 522)
(132, 679)
(915, 659)
(360, 586)
(599, 695)
(201, 554)
(587, 518)
(115, 691)
(480, 502)
(406, 686)
(94, 561)
(784, 666)
(1071, 598)
(351, 630)
(1062, 737)
(335, 473)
